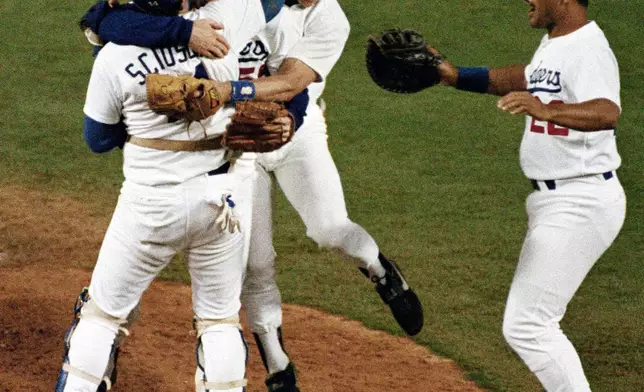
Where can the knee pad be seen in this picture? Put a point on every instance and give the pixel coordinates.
(216, 372)
(86, 310)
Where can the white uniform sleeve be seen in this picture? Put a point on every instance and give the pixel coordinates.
(104, 101)
(222, 70)
(596, 76)
(326, 31)
(282, 34)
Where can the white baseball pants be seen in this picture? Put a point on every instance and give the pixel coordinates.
(569, 228)
(149, 227)
(309, 178)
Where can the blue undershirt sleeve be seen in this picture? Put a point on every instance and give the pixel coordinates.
(128, 27)
(104, 137)
(297, 107)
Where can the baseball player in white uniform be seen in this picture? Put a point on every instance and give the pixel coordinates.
(570, 95)
(298, 54)
(309, 178)
(178, 196)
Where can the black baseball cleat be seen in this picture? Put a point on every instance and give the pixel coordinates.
(283, 381)
(395, 292)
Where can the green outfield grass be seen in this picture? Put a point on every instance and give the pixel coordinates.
(434, 177)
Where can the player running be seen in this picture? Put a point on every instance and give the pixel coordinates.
(570, 95)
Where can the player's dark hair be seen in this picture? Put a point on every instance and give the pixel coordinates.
(195, 4)
(584, 3)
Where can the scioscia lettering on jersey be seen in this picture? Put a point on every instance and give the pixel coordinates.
(155, 60)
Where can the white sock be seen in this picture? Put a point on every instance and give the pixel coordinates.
(376, 269)
(276, 358)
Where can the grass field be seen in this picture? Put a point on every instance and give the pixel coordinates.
(434, 177)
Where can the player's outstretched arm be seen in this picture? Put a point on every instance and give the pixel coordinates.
(495, 81)
(290, 80)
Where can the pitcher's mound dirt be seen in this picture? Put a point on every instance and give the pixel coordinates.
(41, 240)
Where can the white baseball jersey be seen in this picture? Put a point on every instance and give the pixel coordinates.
(574, 68)
(325, 30)
(315, 35)
(117, 90)
(264, 53)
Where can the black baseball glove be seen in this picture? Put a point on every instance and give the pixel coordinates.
(398, 60)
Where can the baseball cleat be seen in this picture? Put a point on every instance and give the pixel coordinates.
(283, 381)
(395, 292)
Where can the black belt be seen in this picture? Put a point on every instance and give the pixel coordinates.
(220, 170)
(552, 184)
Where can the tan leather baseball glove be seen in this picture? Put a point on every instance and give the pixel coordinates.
(182, 96)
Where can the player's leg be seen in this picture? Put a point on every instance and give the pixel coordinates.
(260, 295)
(566, 236)
(123, 271)
(310, 180)
(215, 264)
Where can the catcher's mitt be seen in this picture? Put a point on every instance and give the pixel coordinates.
(182, 96)
(258, 127)
(399, 61)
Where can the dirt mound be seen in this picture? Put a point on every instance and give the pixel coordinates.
(43, 239)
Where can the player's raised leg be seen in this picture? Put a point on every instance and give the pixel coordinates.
(563, 242)
(310, 180)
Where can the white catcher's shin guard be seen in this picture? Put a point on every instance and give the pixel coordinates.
(90, 349)
(86, 363)
(222, 354)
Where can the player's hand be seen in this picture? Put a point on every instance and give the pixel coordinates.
(113, 3)
(447, 71)
(206, 41)
(522, 102)
(287, 126)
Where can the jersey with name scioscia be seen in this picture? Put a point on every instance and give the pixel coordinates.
(117, 89)
(570, 69)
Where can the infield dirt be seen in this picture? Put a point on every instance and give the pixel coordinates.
(44, 242)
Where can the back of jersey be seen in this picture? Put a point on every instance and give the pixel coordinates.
(117, 90)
